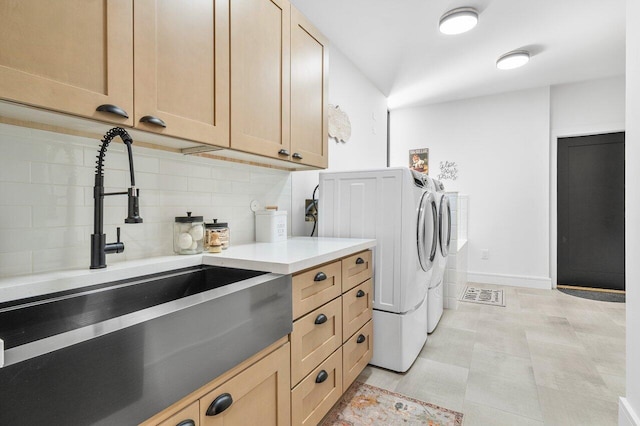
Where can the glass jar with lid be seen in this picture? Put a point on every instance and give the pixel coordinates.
(188, 234)
(216, 231)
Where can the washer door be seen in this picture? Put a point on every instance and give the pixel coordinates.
(445, 225)
(427, 231)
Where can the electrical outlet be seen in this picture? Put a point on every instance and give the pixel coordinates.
(484, 254)
(310, 208)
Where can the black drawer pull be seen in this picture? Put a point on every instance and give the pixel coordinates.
(321, 319)
(112, 109)
(283, 152)
(220, 404)
(360, 293)
(322, 376)
(297, 156)
(359, 261)
(361, 338)
(150, 119)
(187, 423)
(320, 276)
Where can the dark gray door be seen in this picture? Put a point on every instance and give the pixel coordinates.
(591, 211)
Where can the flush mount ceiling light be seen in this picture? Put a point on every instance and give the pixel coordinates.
(511, 60)
(458, 21)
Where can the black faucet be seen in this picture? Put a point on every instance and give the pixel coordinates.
(99, 245)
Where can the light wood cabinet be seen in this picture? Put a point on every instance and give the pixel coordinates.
(190, 416)
(182, 69)
(259, 395)
(333, 342)
(70, 56)
(309, 92)
(260, 77)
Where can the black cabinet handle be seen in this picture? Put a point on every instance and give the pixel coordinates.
(112, 109)
(320, 276)
(297, 156)
(188, 422)
(322, 376)
(150, 119)
(321, 319)
(220, 404)
(360, 293)
(361, 338)
(283, 152)
(359, 261)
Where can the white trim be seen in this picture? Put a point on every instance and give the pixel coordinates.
(626, 415)
(511, 280)
(553, 182)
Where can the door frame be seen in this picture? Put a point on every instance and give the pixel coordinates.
(585, 130)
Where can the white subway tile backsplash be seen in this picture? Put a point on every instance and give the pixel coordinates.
(15, 263)
(46, 213)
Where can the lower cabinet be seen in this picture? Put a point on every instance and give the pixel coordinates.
(256, 392)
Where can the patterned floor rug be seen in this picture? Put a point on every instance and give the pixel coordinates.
(364, 404)
(483, 295)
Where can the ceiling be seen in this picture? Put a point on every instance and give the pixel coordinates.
(397, 45)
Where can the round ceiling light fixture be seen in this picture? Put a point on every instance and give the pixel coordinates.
(458, 21)
(511, 60)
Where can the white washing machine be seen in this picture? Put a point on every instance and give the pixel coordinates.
(396, 207)
(436, 287)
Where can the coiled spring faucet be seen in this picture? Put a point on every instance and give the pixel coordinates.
(99, 245)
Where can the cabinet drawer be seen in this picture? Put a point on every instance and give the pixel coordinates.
(356, 269)
(357, 304)
(356, 354)
(316, 287)
(316, 394)
(314, 337)
(192, 412)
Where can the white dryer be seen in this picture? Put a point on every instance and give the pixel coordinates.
(436, 287)
(395, 207)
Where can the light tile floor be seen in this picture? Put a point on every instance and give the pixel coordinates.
(546, 358)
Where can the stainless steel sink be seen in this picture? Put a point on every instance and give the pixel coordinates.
(118, 353)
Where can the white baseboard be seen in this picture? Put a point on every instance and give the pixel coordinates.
(511, 280)
(626, 415)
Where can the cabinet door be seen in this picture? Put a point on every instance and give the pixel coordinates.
(309, 71)
(68, 55)
(260, 61)
(190, 416)
(259, 395)
(182, 68)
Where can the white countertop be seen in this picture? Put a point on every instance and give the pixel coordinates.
(286, 257)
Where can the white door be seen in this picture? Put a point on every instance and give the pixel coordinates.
(445, 225)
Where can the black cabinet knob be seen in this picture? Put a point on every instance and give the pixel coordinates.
(297, 156)
(321, 319)
(283, 152)
(188, 422)
(361, 338)
(113, 109)
(220, 404)
(150, 119)
(320, 276)
(359, 261)
(322, 376)
(360, 293)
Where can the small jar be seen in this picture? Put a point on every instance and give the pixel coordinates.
(188, 234)
(221, 230)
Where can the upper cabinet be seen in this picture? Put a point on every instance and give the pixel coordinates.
(309, 69)
(260, 69)
(71, 56)
(250, 75)
(182, 69)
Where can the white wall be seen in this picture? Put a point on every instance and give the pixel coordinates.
(590, 107)
(367, 148)
(632, 152)
(46, 198)
(501, 146)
